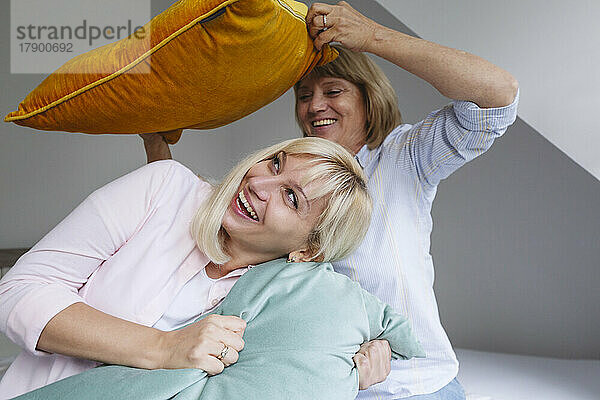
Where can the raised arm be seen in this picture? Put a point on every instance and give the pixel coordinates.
(156, 147)
(454, 73)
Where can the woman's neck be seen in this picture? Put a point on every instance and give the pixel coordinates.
(216, 271)
(240, 258)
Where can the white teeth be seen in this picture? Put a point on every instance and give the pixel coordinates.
(323, 122)
(242, 199)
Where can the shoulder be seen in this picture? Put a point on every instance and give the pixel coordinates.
(395, 141)
(397, 134)
(153, 172)
(171, 180)
(170, 173)
(152, 182)
(164, 168)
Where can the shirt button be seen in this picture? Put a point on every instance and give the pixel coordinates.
(214, 302)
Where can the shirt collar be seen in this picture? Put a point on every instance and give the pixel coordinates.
(362, 156)
(366, 158)
(236, 273)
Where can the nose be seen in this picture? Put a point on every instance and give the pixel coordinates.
(262, 186)
(317, 103)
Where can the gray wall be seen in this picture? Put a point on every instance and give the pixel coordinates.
(516, 239)
(515, 245)
(516, 263)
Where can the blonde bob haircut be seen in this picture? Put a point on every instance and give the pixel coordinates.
(339, 229)
(381, 102)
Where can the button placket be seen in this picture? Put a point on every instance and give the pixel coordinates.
(213, 299)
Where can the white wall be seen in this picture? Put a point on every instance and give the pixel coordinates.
(552, 47)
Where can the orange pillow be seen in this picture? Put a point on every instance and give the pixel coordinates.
(211, 62)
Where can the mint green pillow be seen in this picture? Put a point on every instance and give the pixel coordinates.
(305, 323)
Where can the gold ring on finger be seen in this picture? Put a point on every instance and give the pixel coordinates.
(223, 353)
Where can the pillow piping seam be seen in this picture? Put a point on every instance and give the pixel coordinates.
(123, 69)
(291, 10)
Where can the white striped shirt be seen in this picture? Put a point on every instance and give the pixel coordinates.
(393, 262)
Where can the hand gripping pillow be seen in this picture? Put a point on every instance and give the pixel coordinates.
(211, 62)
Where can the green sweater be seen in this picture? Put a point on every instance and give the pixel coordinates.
(305, 322)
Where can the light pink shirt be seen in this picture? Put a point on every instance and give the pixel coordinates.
(126, 250)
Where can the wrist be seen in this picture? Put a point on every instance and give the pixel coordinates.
(157, 149)
(155, 352)
(381, 39)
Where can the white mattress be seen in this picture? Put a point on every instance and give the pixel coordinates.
(495, 376)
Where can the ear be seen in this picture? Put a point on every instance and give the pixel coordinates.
(304, 255)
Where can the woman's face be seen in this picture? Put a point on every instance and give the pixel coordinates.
(334, 109)
(271, 216)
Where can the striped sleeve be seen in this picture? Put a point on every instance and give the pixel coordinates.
(454, 135)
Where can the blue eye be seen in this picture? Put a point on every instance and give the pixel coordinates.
(292, 197)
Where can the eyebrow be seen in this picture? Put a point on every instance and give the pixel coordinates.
(330, 80)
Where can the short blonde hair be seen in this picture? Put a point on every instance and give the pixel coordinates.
(381, 102)
(339, 229)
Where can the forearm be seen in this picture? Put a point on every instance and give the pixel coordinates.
(84, 332)
(454, 73)
(156, 147)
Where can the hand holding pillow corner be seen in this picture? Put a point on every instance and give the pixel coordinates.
(342, 24)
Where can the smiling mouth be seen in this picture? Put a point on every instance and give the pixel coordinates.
(245, 206)
(323, 122)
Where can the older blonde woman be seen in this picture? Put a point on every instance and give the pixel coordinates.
(157, 248)
(351, 102)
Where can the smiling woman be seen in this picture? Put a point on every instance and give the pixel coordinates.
(349, 101)
(305, 195)
(305, 199)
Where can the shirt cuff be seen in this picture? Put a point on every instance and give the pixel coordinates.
(31, 315)
(474, 118)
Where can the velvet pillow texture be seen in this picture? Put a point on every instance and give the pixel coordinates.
(208, 63)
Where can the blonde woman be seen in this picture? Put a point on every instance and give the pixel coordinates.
(153, 250)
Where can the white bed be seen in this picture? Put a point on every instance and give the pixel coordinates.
(494, 376)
